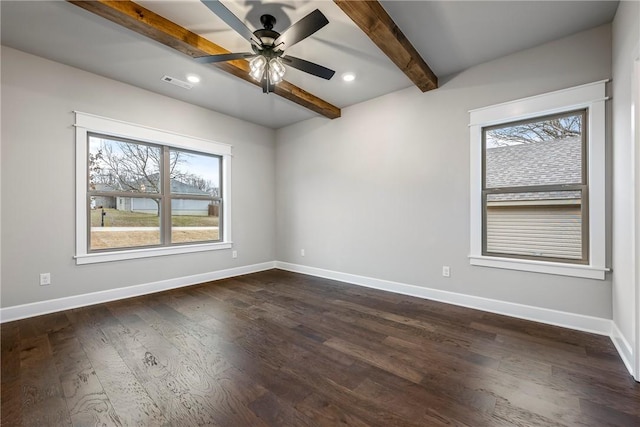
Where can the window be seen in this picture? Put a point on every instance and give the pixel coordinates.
(537, 180)
(534, 189)
(144, 192)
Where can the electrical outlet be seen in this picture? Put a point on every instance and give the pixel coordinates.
(45, 279)
(234, 254)
(301, 252)
(446, 271)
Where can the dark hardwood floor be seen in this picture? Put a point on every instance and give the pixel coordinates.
(284, 349)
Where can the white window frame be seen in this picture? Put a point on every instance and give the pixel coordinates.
(591, 97)
(86, 123)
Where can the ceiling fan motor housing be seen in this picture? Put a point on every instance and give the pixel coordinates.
(267, 36)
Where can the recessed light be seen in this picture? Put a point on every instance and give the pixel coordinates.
(193, 78)
(348, 77)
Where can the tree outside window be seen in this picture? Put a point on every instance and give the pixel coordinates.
(143, 194)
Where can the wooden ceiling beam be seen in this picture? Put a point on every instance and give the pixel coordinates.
(371, 17)
(143, 21)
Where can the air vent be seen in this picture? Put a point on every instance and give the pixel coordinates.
(177, 82)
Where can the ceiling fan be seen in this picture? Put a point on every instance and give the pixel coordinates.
(267, 58)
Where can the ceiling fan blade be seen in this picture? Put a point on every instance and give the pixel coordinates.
(308, 67)
(230, 19)
(302, 29)
(209, 59)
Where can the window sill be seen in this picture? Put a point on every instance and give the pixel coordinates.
(148, 252)
(561, 269)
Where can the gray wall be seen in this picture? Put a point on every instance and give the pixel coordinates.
(626, 49)
(38, 196)
(383, 192)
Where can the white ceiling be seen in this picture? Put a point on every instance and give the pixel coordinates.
(450, 35)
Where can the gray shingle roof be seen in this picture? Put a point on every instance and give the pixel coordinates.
(542, 163)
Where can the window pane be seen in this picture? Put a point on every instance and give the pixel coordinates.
(535, 224)
(133, 221)
(543, 152)
(116, 165)
(194, 220)
(194, 174)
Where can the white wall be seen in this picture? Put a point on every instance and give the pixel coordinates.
(38, 229)
(383, 192)
(626, 45)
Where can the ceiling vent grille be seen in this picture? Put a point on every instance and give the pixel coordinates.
(177, 82)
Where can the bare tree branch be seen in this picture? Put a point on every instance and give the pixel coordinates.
(540, 131)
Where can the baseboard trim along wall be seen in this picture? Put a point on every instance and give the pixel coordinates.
(579, 322)
(624, 348)
(575, 321)
(45, 307)
(553, 317)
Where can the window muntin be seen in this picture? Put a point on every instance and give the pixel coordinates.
(534, 189)
(121, 172)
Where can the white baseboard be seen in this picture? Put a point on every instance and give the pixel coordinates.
(17, 312)
(579, 322)
(624, 348)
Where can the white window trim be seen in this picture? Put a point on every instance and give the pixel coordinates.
(591, 96)
(86, 123)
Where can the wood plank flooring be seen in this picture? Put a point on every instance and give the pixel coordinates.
(283, 349)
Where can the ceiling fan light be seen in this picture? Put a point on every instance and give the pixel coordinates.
(276, 66)
(257, 74)
(257, 66)
(259, 62)
(276, 71)
(274, 77)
